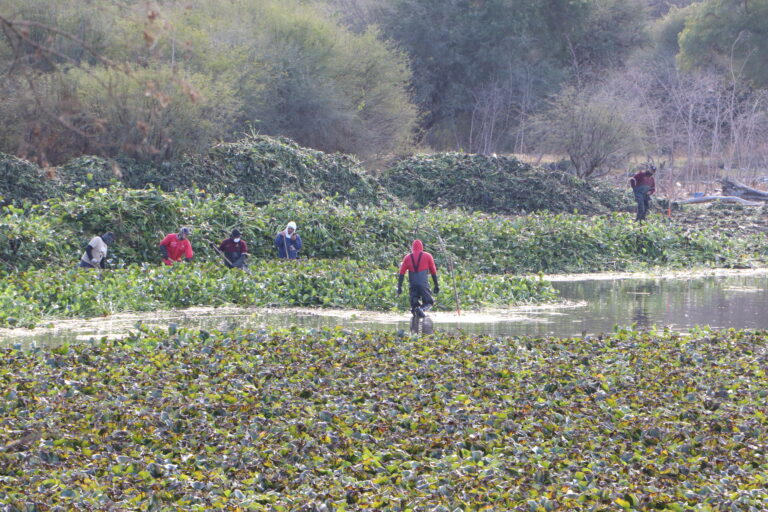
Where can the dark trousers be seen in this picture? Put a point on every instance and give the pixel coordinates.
(643, 199)
(238, 261)
(420, 296)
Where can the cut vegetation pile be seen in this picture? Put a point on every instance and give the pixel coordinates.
(496, 184)
(336, 420)
(261, 169)
(258, 168)
(22, 181)
(87, 172)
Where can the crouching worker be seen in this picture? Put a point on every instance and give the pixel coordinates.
(643, 186)
(418, 263)
(288, 242)
(175, 246)
(95, 255)
(234, 250)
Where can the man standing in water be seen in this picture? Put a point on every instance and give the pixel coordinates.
(418, 263)
(643, 185)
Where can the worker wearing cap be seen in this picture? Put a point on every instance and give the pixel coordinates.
(234, 250)
(176, 246)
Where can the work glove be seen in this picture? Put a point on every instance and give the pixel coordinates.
(399, 290)
(437, 289)
(94, 262)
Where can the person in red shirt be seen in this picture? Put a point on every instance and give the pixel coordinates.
(643, 185)
(175, 246)
(234, 250)
(418, 262)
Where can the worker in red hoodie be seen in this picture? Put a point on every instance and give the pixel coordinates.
(418, 263)
(176, 245)
(643, 186)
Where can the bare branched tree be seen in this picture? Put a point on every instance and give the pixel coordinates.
(596, 129)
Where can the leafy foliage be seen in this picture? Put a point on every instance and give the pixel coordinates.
(28, 297)
(161, 81)
(339, 420)
(55, 233)
(729, 34)
(263, 168)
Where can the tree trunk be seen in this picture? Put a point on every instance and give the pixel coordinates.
(731, 188)
(724, 199)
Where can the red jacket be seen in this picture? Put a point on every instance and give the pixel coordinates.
(427, 261)
(177, 248)
(643, 178)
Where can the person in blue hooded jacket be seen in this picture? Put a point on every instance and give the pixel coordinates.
(288, 242)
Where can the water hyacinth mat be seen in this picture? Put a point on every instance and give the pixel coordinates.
(351, 420)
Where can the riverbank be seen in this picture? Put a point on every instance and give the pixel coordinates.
(333, 419)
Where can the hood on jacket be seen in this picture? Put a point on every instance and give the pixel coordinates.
(417, 246)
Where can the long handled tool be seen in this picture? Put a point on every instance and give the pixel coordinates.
(449, 262)
(213, 246)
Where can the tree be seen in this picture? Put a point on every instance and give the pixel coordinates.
(731, 35)
(482, 67)
(594, 128)
(159, 79)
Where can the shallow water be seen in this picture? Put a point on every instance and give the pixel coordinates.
(595, 306)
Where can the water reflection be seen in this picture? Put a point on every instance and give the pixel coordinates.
(716, 301)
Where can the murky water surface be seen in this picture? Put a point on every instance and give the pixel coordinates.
(595, 306)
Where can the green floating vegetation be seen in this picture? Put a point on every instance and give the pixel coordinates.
(496, 184)
(28, 297)
(55, 233)
(338, 420)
